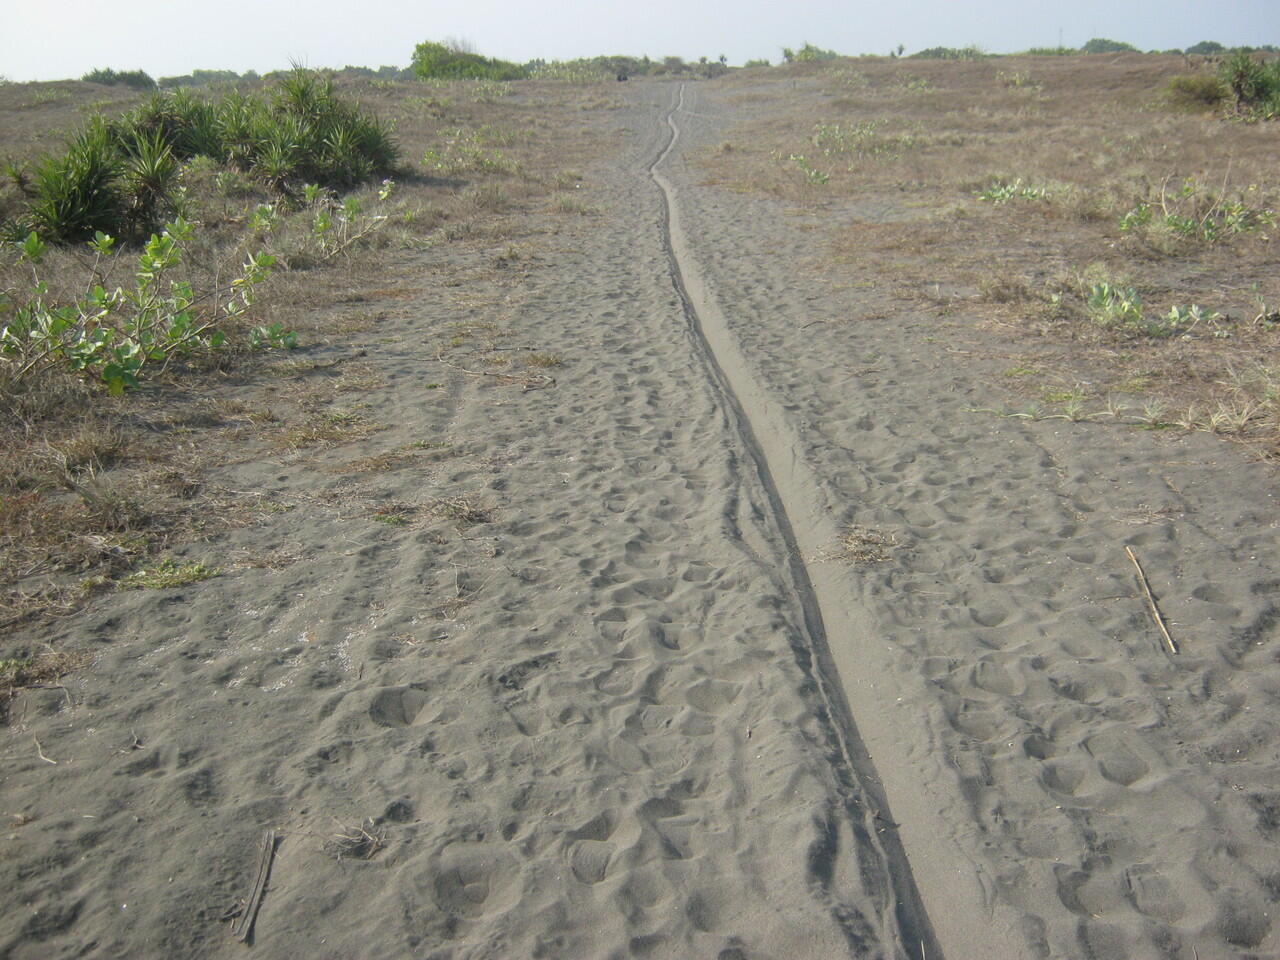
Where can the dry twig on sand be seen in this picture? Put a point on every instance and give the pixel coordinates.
(1151, 602)
(242, 926)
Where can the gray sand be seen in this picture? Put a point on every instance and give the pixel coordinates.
(645, 706)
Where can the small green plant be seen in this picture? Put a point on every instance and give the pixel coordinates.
(1197, 211)
(337, 226)
(1120, 307)
(811, 173)
(273, 335)
(910, 83)
(464, 152)
(1111, 305)
(168, 573)
(1017, 80)
(865, 138)
(1002, 191)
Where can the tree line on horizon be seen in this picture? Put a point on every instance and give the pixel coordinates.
(453, 60)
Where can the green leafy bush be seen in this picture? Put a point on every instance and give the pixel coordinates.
(198, 78)
(114, 336)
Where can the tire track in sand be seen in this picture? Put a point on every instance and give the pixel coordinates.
(865, 806)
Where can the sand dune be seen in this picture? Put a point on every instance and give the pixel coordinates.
(611, 689)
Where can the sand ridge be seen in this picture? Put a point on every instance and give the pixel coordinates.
(585, 715)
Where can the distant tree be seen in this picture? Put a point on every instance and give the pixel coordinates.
(200, 77)
(756, 63)
(440, 61)
(950, 53)
(1102, 45)
(1206, 48)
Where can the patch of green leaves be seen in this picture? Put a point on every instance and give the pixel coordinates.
(168, 573)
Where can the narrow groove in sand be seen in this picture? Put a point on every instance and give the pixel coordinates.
(910, 929)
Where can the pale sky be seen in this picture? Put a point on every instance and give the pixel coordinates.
(57, 39)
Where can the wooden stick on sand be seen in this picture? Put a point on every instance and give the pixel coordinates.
(243, 925)
(1151, 602)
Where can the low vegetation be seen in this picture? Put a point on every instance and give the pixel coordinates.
(209, 313)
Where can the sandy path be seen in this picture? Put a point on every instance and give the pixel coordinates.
(587, 725)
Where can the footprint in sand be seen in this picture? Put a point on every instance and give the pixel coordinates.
(590, 852)
(475, 879)
(398, 706)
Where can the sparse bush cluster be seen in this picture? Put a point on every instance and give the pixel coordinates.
(951, 53)
(122, 177)
(808, 54)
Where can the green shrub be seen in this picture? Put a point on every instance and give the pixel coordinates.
(1102, 45)
(121, 177)
(114, 336)
(1052, 52)
(1197, 90)
(137, 79)
(436, 61)
(186, 123)
(1254, 86)
(78, 193)
(1205, 48)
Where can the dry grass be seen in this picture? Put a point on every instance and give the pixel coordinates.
(1032, 164)
(861, 545)
(37, 670)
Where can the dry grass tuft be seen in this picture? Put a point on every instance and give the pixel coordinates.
(861, 545)
(41, 670)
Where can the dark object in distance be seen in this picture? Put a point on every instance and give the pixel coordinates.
(622, 76)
